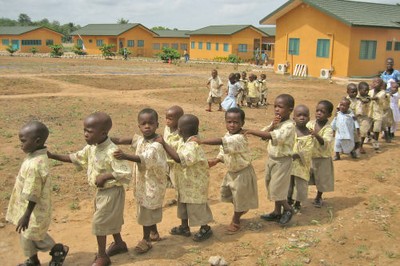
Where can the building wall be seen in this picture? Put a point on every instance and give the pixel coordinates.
(309, 25)
(41, 34)
(160, 42)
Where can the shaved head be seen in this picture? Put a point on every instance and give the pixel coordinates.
(99, 120)
(36, 129)
(188, 125)
(175, 111)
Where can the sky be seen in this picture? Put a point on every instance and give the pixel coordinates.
(180, 14)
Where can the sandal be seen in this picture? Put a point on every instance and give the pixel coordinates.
(155, 237)
(58, 254)
(101, 261)
(29, 262)
(180, 231)
(143, 246)
(203, 234)
(115, 249)
(233, 228)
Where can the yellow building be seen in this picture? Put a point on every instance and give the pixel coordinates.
(223, 40)
(176, 39)
(346, 38)
(24, 38)
(135, 37)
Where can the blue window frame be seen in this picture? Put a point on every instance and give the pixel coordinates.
(368, 50)
(5, 42)
(294, 46)
(242, 48)
(31, 42)
(99, 43)
(208, 46)
(200, 45)
(389, 45)
(140, 43)
(397, 46)
(192, 45)
(131, 43)
(226, 47)
(156, 46)
(323, 47)
(216, 46)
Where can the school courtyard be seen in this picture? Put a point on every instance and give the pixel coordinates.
(358, 224)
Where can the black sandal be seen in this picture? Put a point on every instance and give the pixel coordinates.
(203, 234)
(29, 262)
(58, 254)
(180, 231)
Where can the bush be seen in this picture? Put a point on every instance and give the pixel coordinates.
(127, 52)
(220, 59)
(78, 49)
(34, 50)
(57, 50)
(106, 50)
(11, 50)
(232, 58)
(169, 54)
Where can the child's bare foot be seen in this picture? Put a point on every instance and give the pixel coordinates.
(233, 228)
(208, 110)
(362, 151)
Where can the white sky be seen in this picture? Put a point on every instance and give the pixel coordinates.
(179, 14)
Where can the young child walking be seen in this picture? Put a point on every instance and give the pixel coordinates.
(253, 96)
(322, 174)
(214, 84)
(150, 177)
(234, 88)
(378, 101)
(281, 135)
(30, 202)
(109, 176)
(239, 185)
(192, 182)
(345, 126)
(263, 89)
(302, 152)
(362, 112)
(241, 99)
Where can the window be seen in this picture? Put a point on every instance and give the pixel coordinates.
(90, 40)
(140, 43)
(226, 47)
(200, 45)
(131, 43)
(216, 46)
(156, 46)
(165, 45)
(208, 46)
(389, 45)
(99, 42)
(242, 48)
(175, 46)
(31, 42)
(192, 45)
(397, 46)
(79, 42)
(368, 50)
(323, 46)
(5, 42)
(49, 42)
(294, 46)
(183, 46)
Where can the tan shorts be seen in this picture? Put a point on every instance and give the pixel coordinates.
(148, 217)
(377, 126)
(322, 174)
(277, 177)
(31, 247)
(240, 188)
(365, 125)
(387, 120)
(300, 189)
(197, 214)
(109, 205)
(211, 99)
(253, 99)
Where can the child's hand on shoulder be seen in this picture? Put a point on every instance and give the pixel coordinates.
(213, 162)
(160, 139)
(196, 139)
(101, 180)
(120, 155)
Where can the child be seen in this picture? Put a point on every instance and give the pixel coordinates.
(281, 136)
(233, 91)
(192, 183)
(263, 89)
(378, 97)
(109, 176)
(239, 185)
(300, 175)
(30, 202)
(362, 111)
(253, 96)
(214, 84)
(394, 105)
(243, 94)
(344, 125)
(352, 95)
(150, 177)
(321, 163)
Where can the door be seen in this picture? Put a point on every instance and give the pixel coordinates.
(15, 44)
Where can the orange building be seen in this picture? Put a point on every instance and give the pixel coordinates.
(176, 39)
(24, 38)
(338, 37)
(135, 37)
(223, 40)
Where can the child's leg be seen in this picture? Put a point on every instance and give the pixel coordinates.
(290, 192)
(146, 232)
(101, 246)
(117, 247)
(154, 235)
(361, 145)
(337, 156)
(236, 217)
(318, 200)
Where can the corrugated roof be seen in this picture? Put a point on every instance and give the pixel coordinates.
(106, 29)
(270, 31)
(222, 30)
(349, 12)
(172, 33)
(17, 30)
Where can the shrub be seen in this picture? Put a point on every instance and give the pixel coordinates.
(232, 58)
(220, 59)
(78, 49)
(169, 53)
(34, 50)
(106, 50)
(11, 50)
(57, 50)
(127, 52)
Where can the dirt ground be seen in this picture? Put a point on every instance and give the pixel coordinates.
(358, 224)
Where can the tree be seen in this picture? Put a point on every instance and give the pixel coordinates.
(169, 54)
(57, 50)
(123, 21)
(24, 20)
(11, 50)
(106, 50)
(160, 28)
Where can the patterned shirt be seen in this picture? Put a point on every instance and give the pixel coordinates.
(175, 141)
(235, 152)
(33, 183)
(303, 147)
(99, 159)
(192, 184)
(150, 175)
(263, 86)
(322, 151)
(253, 89)
(283, 137)
(353, 103)
(362, 106)
(377, 106)
(215, 86)
(344, 125)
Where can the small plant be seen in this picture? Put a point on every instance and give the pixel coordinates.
(34, 50)
(168, 54)
(106, 50)
(124, 52)
(11, 50)
(57, 50)
(74, 205)
(232, 58)
(78, 49)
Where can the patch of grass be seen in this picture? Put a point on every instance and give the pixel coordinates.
(376, 202)
(74, 205)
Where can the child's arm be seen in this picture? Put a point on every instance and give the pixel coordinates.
(213, 162)
(59, 157)
(23, 222)
(259, 133)
(120, 155)
(169, 150)
(216, 141)
(122, 141)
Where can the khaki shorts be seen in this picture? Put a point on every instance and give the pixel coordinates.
(365, 125)
(31, 247)
(299, 189)
(322, 174)
(211, 99)
(148, 217)
(197, 214)
(377, 126)
(109, 205)
(253, 99)
(277, 177)
(240, 188)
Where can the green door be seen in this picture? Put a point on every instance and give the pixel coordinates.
(15, 44)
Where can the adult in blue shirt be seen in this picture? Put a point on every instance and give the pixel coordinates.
(390, 73)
